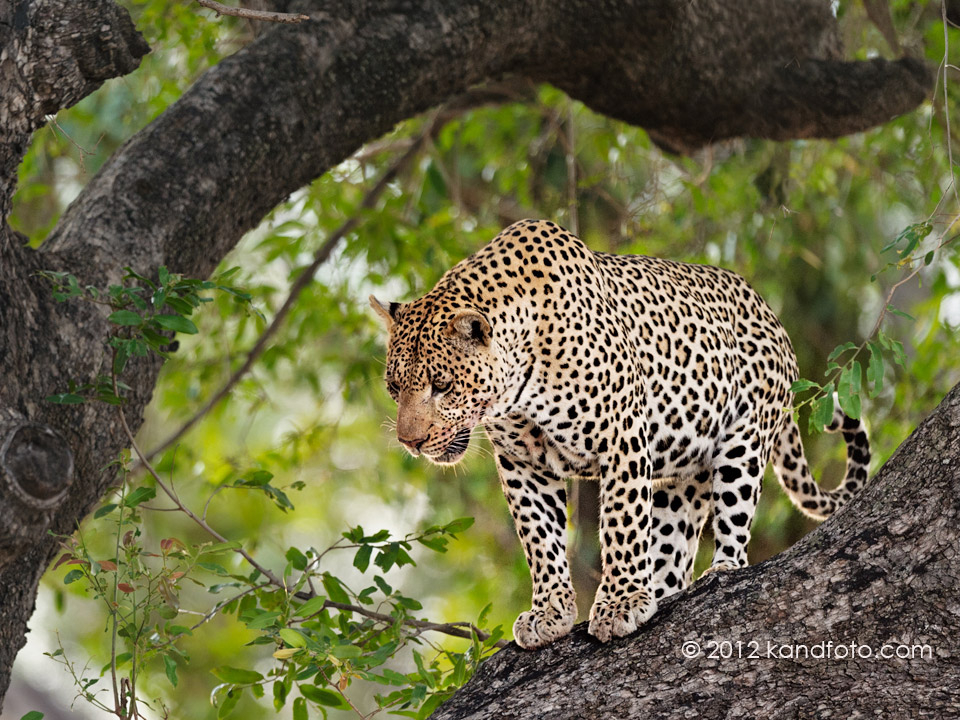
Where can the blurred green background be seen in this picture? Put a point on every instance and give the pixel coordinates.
(803, 221)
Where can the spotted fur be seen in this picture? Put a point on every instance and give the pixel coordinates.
(664, 381)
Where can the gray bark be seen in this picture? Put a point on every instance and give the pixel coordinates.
(882, 570)
(295, 102)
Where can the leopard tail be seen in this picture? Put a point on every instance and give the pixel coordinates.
(794, 475)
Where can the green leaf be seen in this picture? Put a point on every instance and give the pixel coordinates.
(227, 274)
(297, 558)
(293, 638)
(33, 715)
(105, 510)
(125, 317)
(176, 323)
(120, 359)
(320, 696)
(387, 557)
(427, 677)
(237, 676)
(311, 606)
(822, 412)
(334, 589)
(170, 666)
(229, 702)
(900, 313)
(382, 584)
(263, 620)
(899, 356)
(66, 399)
(163, 274)
(280, 691)
(140, 495)
(912, 234)
(437, 544)
(300, 709)
(459, 525)
(394, 678)
(418, 694)
(875, 369)
(257, 478)
(848, 389)
(361, 561)
(803, 385)
(345, 652)
(73, 576)
(409, 603)
(181, 306)
(840, 349)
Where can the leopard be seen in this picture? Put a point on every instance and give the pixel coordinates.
(668, 383)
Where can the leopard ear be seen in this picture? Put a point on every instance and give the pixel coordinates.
(387, 311)
(470, 327)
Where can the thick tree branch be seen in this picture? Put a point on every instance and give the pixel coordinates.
(298, 286)
(883, 570)
(53, 53)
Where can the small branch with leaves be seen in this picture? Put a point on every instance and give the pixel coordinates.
(847, 378)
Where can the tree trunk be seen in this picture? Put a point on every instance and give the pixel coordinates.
(291, 105)
(882, 571)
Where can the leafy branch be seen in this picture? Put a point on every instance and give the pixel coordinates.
(847, 377)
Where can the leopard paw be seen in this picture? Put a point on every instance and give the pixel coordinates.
(722, 566)
(613, 616)
(542, 625)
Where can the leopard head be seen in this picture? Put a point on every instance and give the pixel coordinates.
(441, 371)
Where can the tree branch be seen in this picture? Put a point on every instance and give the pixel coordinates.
(264, 15)
(302, 281)
(881, 571)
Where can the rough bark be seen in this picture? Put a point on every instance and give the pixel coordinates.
(882, 570)
(295, 102)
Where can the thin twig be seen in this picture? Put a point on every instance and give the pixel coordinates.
(211, 613)
(113, 608)
(264, 15)
(571, 159)
(447, 628)
(267, 573)
(343, 695)
(946, 101)
(454, 629)
(305, 278)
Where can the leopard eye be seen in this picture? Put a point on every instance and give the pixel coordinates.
(439, 387)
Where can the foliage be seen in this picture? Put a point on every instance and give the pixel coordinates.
(321, 648)
(824, 230)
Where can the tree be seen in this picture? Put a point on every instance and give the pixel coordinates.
(293, 103)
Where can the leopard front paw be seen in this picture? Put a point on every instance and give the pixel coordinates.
(613, 616)
(545, 623)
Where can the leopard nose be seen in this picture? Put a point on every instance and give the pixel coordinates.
(413, 445)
